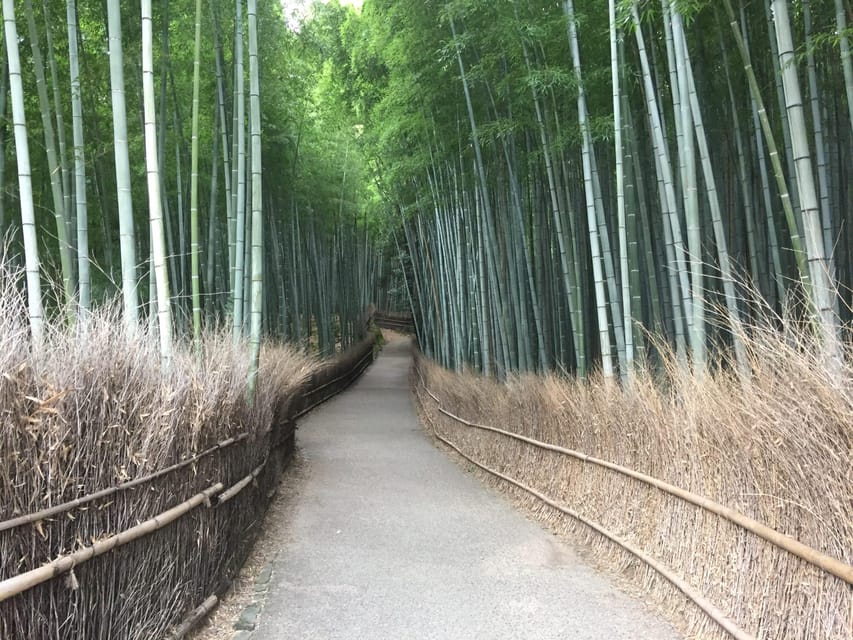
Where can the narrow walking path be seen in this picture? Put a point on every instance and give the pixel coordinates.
(388, 538)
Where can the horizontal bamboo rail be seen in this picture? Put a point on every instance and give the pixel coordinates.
(354, 372)
(20, 583)
(25, 581)
(395, 322)
(196, 616)
(104, 493)
(700, 600)
(817, 558)
(237, 487)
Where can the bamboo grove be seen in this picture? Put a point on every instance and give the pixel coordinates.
(569, 182)
(189, 156)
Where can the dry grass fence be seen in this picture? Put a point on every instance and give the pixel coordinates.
(90, 411)
(778, 449)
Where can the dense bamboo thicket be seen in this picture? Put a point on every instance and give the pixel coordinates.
(777, 450)
(193, 156)
(564, 177)
(602, 190)
(221, 183)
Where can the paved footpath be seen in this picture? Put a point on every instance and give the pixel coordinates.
(390, 539)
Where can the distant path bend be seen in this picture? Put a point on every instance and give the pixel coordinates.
(389, 539)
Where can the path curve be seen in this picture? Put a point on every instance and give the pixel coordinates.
(388, 538)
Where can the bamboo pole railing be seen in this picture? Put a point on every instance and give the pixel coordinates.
(827, 563)
(195, 616)
(237, 487)
(212, 496)
(24, 581)
(396, 322)
(105, 493)
(698, 598)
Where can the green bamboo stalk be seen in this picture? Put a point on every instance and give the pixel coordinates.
(158, 244)
(127, 243)
(83, 271)
(624, 251)
(846, 60)
(239, 136)
(257, 292)
(194, 231)
(25, 186)
(822, 288)
(55, 173)
(592, 221)
(64, 171)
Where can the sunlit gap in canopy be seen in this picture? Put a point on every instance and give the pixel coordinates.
(296, 10)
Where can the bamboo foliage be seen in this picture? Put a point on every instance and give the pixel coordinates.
(545, 197)
(593, 210)
(201, 262)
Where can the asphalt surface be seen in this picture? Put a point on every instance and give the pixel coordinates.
(390, 539)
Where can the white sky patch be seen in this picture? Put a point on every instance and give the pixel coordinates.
(295, 10)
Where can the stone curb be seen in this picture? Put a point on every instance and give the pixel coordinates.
(248, 619)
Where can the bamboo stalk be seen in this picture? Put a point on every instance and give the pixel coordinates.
(25, 185)
(60, 213)
(130, 295)
(84, 280)
(159, 292)
(256, 284)
(195, 616)
(237, 487)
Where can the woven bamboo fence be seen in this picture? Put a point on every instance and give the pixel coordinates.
(679, 517)
(402, 322)
(133, 559)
